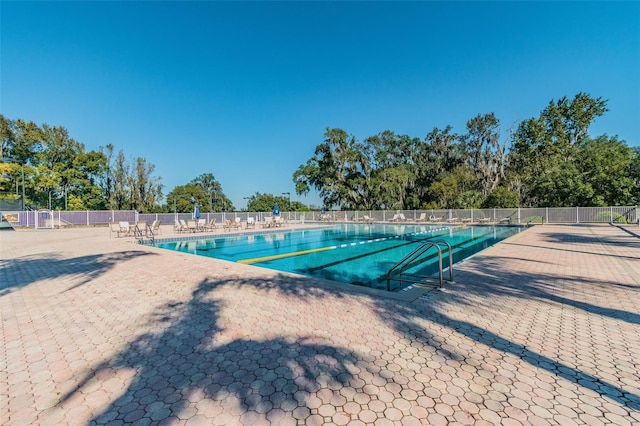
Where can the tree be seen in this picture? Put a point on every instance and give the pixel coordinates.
(265, 202)
(24, 141)
(183, 197)
(91, 167)
(204, 190)
(634, 175)
(604, 164)
(146, 188)
(338, 171)
(120, 195)
(7, 137)
(501, 197)
(486, 155)
(213, 190)
(545, 151)
(57, 167)
(442, 153)
(393, 164)
(447, 191)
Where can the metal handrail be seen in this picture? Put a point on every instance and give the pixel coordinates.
(420, 250)
(150, 234)
(450, 257)
(414, 255)
(137, 233)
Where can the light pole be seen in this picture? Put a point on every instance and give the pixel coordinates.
(247, 198)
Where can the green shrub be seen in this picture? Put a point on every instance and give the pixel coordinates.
(607, 216)
(533, 219)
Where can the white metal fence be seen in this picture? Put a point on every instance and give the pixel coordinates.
(620, 215)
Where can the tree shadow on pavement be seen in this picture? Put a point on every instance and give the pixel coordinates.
(499, 281)
(576, 251)
(407, 319)
(21, 272)
(618, 239)
(187, 360)
(421, 321)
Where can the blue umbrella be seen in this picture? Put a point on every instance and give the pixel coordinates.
(196, 211)
(322, 212)
(276, 209)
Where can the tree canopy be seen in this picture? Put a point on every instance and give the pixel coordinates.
(204, 190)
(60, 174)
(550, 160)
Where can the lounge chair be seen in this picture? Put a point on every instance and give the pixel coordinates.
(211, 225)
(267, 222)
(251, 223)
(125, 228)
(398, 217)
(178, 227)
(155, 227)
(422, 217)
(231, 223)
(117, 229)
(192, 225)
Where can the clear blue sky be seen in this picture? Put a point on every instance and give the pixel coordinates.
(245, 90)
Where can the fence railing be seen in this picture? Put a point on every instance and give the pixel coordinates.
(542, 215)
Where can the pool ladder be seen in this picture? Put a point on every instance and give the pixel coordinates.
(137, 232)
(396, 272)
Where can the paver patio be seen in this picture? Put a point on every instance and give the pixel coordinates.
(541, 329)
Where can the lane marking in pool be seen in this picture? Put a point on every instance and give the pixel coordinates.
(302, 252)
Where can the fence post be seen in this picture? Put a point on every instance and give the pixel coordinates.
(518, 215)
(577, 214)
(88, 218)
(546, 213)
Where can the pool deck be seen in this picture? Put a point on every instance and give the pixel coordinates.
(543, 328)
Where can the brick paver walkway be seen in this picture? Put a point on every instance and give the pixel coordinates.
(542, 329)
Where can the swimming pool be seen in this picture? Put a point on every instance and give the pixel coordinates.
(360, 254)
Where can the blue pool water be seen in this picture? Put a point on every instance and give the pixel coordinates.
(359, 254)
